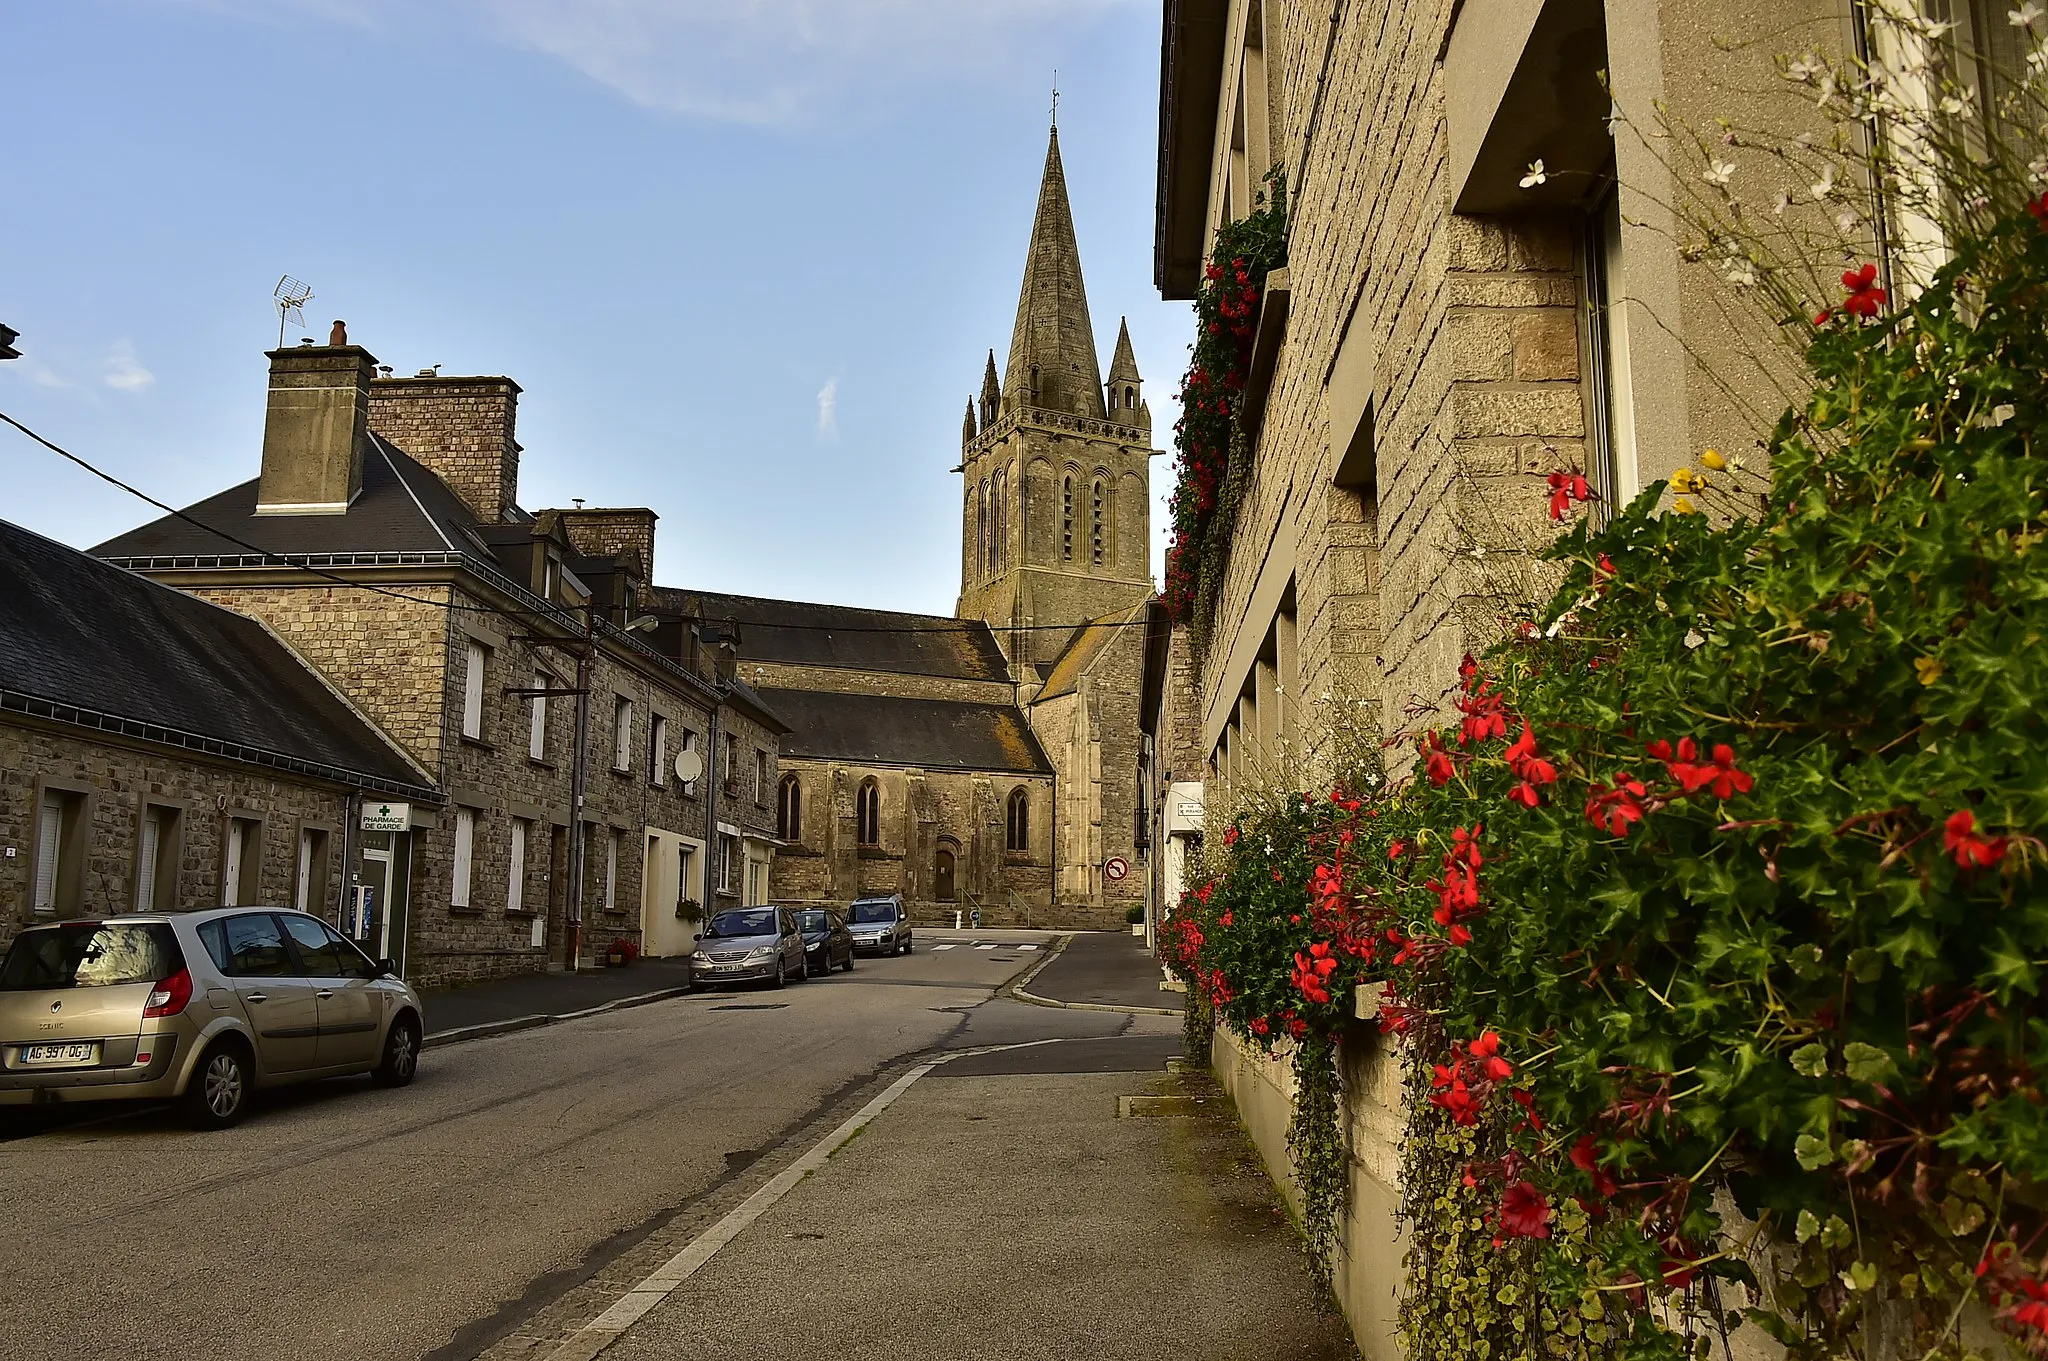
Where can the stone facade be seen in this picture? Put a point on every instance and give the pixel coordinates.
(461, 429)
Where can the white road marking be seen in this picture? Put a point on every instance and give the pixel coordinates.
(593, 1337)
(1027, 947)
(985, 947)
(942, 947)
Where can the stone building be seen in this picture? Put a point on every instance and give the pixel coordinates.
(383, 540)
(1453, 324)
(160, 752)
(987, 761)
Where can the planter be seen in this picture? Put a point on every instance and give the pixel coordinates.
(616, 960)
(1138, 929)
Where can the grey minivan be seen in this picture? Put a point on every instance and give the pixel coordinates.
(880, 925)
(197, 1007)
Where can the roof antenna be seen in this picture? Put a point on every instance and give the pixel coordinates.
(291, 297)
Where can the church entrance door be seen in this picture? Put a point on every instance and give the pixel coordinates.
(942, 877)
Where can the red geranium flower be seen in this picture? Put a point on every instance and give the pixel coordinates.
(1970, 850)
(1618, 808)
(1566, 488)
(1865, 297)
(1525, 1211)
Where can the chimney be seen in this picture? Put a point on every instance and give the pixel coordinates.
(314, 430)
(604, 533)
(459, 429)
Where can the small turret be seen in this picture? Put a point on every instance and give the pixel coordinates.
(991, 393)
(1124, 390)
(967, 431)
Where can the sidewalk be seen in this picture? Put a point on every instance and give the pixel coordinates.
(539, 999)
(998, 1210)
(1102, 969)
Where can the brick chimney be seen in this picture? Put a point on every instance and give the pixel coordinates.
(459, 429)
(314, 429)
(603, 533)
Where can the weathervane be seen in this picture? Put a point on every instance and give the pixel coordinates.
(1055, 97)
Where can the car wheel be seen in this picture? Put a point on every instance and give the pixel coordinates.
(401, 1054)
(218, 1094)
(848, 966)
(781, 978)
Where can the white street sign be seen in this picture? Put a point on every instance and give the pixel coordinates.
(387, 817)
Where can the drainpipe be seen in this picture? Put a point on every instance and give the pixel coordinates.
(579, 781)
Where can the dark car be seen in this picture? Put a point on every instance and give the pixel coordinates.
(827, 942)
(880, 925)
(746, 945)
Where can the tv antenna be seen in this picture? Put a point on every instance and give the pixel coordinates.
(291, 297)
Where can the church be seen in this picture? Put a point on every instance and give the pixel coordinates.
(988, 761)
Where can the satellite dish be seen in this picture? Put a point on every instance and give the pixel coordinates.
(689, 765)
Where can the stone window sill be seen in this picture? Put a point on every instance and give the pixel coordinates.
(479, 743)
(542, 763)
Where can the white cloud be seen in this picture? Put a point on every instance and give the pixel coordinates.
(828, 409)
(123, 372)
(744, 61)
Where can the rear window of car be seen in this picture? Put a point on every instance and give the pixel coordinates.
(882, 911)
(90, 955)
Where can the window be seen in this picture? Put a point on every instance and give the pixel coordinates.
(622, 733)
(310, 893)
(867, 813)
(757, 881)
(60, 829)
(1130, 399)
(319, 956)
(515, 879)
(1098, 538)
(242, 862)
(984, 532)
(728, 862)
(611, 872)
(156, 859)
(465, 855)
(657, 751)
(686, 873)
(760, 776)
(537, 730)
(999, 550)
(1017, 826)
(1067, 519)
(475, 661)
(732, 761)
(1611, 460)
(248, 946)
(789, 810)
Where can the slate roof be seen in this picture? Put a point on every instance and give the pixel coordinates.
(402, 508)
(934, 734)
(78, 634)
(1084, 647)
(799, 633)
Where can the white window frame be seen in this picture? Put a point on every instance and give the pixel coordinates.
(515, 875)
(149, 849)
(537, 724)
(302, 888)
(476, 660)
(622, 733)
(728, 853)
(465, 857)
(50, 850)
(657, 751)
(611, 871)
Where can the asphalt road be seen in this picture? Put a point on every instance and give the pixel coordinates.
(341, 1221)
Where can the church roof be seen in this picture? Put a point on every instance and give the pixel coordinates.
(799, 633)
(1085, 646)
(1123, 367)
(931, 734)
(1053, 334)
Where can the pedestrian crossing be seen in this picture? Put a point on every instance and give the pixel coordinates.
(954, 945)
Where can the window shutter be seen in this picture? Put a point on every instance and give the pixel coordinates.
(515, 889)
(305, 882)
(473, 693)
(465, 838)
(49, 845)
(537, 736)
(231, 871)
(146, 846)
(611, 871)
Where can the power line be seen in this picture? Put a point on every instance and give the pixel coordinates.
(286, 560)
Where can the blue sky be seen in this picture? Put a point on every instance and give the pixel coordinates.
(744, 256)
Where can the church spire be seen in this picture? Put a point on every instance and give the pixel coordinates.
(1126, 389)
(967, 431)
(1052, 349)
(991, 393)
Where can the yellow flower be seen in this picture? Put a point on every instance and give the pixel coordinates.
(1712, 459)
(1682, 506)
(1681, 481)
(1930, 669)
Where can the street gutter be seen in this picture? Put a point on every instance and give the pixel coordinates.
(1018, 990)
(486, 1029)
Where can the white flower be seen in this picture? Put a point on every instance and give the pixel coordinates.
(2037, 169)
(1781, 203)
(1537, 174)
(1718, 172)
(1827, 89)
(2024, 16)
(1740, 272)
(1694, 638)
(1824, 188)
(2038, 59)
(1997, 416)
(1846, 222)
(1804, 69)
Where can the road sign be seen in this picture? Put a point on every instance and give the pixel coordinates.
(1115, 868)
(386, 817)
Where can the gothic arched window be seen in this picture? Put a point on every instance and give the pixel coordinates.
(1000, 549)
(988, 532)
(789, 810)
(1131, 398)
(1067, 519)
(978, 510)
(867, 813)
(1098, 539)
(1017, 831)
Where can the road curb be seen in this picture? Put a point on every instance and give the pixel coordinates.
(1018, 991)
(512, 1025)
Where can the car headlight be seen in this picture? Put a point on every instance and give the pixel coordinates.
(763, 953)
(699, 957)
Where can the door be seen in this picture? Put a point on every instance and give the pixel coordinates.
(349, 1009)
(278, 1001)
(942, 878)
(385, 870)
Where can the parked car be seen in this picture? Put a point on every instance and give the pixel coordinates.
(827, 942)
(748, 944)
(197, 1007)
(880, 925)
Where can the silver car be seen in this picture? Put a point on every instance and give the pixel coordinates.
(199, 1008)
(746, 945)
(880, 926)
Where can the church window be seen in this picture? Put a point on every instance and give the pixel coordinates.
(987, 533)
(999, 550)
(1017, 834)
(789, 811)
(980, 527)
(1131, 398)
(1098, 536)
(1067, 519)
(867, 813)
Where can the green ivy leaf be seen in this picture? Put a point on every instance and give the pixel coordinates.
(1837, 1234)
(1810, 1060)
(1808, 962)
(1866, 1062)
(1861, 1276)
(1808, 1225)
(1813, 1151)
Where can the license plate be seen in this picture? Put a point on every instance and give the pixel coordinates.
(60, 1053)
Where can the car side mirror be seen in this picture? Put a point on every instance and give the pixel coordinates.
(696, 938)
(387, 968)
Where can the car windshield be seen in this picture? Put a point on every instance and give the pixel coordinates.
(813, 921)
(758, 921)
(880, 911)
(90, 955)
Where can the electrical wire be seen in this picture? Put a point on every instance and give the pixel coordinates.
(286, 560)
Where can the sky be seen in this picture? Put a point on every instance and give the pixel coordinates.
(745, 257)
